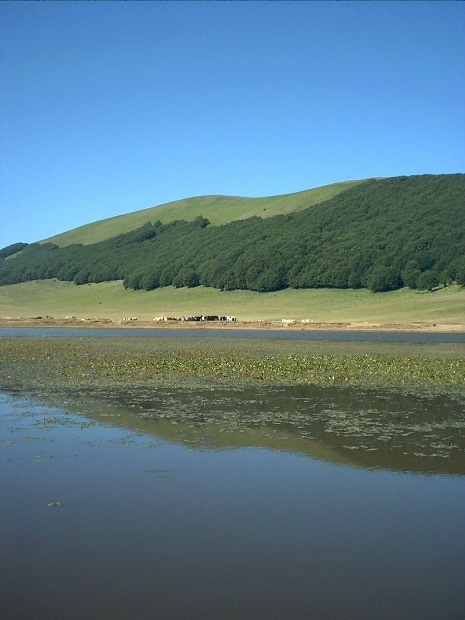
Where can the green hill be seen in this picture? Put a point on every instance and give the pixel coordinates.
(380, 234)
(217, 209)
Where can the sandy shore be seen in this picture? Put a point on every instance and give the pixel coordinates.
(220, 326)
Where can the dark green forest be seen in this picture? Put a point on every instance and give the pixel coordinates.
(381, 234)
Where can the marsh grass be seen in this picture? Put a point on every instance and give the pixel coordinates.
(395, 405)
(100, 363)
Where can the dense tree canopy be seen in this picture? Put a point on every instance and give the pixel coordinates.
(12, 249)
(381, 234)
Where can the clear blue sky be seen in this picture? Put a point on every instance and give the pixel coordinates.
(112, 107)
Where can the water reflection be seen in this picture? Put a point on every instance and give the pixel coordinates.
(376, 430)
(116, 516)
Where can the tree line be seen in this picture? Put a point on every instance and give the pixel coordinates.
(381, 235)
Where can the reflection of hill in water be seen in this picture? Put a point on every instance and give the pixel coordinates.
(343, 426)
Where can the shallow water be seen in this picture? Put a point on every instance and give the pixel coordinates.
(218, 515)
(338, 335)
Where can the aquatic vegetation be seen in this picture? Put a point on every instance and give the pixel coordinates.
(392, 405)
(75, 363)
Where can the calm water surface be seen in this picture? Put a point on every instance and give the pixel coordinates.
(347, 506)
(381, 336)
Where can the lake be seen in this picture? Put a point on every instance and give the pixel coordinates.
(255, 502)
(368, 336)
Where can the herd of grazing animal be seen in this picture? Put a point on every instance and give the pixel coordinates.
(211, 317)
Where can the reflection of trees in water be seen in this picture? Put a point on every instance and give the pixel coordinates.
(362, 428)
(345, 426)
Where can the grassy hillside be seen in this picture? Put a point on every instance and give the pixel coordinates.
(381, 234)
(217, 209)
(111, 300)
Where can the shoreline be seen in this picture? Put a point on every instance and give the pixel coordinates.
(102, 323)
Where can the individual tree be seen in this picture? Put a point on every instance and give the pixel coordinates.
(82, 277)
(133, 280)
(445, 277)
(273, 279)
(150, 280)
(383, 278)
(428, 280)
(411, 273)
(460, 274)
(201, 222)
(186, 276)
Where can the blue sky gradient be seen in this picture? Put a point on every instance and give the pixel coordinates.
(112, 107)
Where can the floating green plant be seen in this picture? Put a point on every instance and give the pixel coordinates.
(83, 365)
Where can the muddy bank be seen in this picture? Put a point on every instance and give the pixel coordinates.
(100, 323)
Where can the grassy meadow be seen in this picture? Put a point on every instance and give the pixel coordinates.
(110, 300)
(218, 209)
